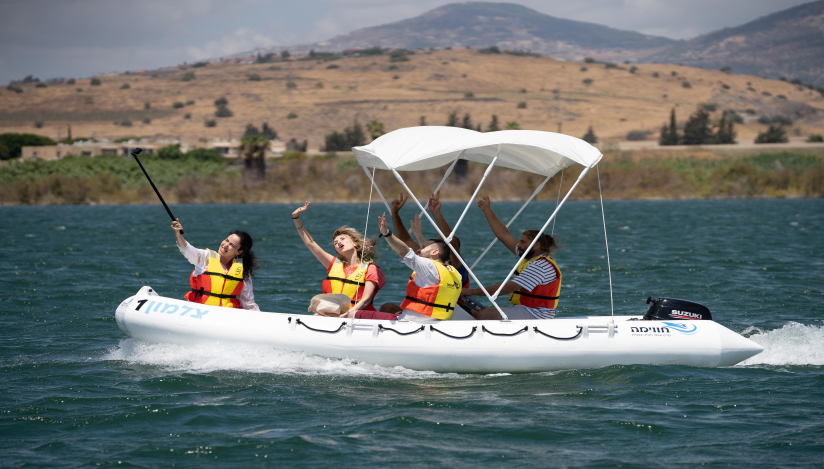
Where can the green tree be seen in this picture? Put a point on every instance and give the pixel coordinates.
(669, 134)
(203, 154)
(422, 122)
(14, 143)
(775, 134)
(335, 141)
(268, 133)
(251, 131)
(493, 124)
(512, 125)
(697, 130)
(726, 128)
(375, 129)
(452, 119)
(254, 156)
(590, 137)
(355, 135)
(467, 122)
(170, 152)
(223, 111)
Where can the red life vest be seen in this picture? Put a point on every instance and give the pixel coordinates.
(215, 286)
(437, 301)
(542, 296)
(352, 285)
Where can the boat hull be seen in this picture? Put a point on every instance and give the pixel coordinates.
(449, 346)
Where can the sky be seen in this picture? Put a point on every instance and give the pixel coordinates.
(82, 38)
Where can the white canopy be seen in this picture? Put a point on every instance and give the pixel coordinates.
(428, 147)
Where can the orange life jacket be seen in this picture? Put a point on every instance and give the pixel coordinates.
(215, 286)
(352, 286)
(542, 296)
(437, 301)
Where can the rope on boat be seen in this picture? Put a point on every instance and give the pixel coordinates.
(557, 201)
(580, 330)
(606, 241)
(342, 325)
(483, 328)
(380, 327)
(474, 328)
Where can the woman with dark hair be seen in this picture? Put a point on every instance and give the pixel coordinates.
(352, 270)
(535, 289)
(222, 277)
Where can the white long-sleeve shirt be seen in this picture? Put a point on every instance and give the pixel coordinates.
(426, 275)
(200, 259)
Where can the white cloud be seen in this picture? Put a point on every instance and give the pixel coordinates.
(242, 39)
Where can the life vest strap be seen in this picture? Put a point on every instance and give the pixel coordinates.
(227, 277)
(216, 295)
(346, 280)
(434, 305)
(531, 295)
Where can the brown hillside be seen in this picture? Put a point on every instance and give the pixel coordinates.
(431, 84)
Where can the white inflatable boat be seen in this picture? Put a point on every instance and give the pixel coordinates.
(678, 337)
(466, 346)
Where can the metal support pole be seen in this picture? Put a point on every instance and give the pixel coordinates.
(475, 194)
(494, 240)
(454, 251)
(551, 217)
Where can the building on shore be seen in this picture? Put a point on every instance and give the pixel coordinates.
(230, 149)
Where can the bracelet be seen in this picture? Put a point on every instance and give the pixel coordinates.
(295, 218)
(385, 235)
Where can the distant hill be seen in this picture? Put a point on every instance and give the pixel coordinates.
(506, 25)
(788, 43)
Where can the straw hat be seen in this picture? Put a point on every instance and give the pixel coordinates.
(330, 304)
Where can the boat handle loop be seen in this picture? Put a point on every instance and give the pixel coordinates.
(380, 327)
(580, 330)
(298, 321)
(526, 328)
(474, 328)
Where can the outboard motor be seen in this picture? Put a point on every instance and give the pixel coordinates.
(670, 308)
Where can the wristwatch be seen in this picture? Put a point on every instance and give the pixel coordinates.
(385, 235)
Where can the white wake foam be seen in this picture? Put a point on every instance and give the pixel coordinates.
(200, 359)
(793, 344)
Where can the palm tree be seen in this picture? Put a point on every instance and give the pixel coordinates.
(254, 154)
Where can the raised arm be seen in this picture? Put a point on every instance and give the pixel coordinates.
(500, 230)
(435, 208)
(397, 224)
(324, 257)
(396, 244)
(178, 237)
(417, 230)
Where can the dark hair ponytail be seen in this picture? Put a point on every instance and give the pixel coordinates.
(248, 257)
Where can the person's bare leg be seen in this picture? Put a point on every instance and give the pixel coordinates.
(488, 314)
(390, 308)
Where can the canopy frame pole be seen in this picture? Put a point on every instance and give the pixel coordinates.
(449, 245)
(558, 199)
(551, 217)
(603, 218)
(475, 194)
(446, 175)
(372, 178)
(495, 240)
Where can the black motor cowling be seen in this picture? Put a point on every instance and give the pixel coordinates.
(670, 308)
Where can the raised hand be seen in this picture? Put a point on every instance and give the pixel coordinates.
(382, 224)
(435, 202)
(300, 210)
(176, 225)
(416, 226)
(398, 203)
(483, 204)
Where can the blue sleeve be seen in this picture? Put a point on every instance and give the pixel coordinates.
(464, 275)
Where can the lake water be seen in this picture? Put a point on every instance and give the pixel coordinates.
(76, 391)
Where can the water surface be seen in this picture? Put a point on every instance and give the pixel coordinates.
(78, 392)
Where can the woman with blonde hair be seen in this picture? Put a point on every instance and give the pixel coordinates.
(352, 270)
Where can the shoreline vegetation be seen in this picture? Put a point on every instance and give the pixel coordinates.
(640, 174)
